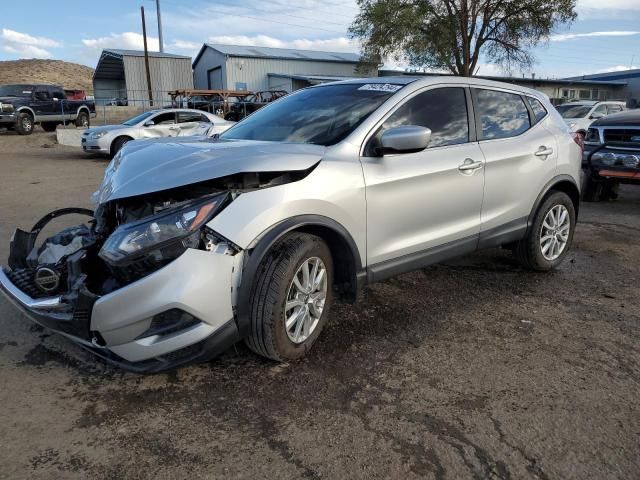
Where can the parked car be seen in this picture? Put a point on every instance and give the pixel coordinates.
(611, 155)
(195, 245)
(249, 104)
(579, 115)
(25, 105)
(117, 102)
(175, 122)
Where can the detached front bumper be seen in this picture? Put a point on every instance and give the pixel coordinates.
(179, 314)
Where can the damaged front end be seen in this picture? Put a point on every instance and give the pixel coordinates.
(145, 283)
(103, 284)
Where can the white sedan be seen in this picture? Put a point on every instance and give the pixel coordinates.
(173, 122)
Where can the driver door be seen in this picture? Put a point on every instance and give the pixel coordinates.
(164, 125)
(425, 206)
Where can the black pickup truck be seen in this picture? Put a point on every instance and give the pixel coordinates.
(611, 155)
(23, 106)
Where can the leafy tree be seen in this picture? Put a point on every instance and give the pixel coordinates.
(454, 34)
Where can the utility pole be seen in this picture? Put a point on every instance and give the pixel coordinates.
(160, 42)
(146, 56)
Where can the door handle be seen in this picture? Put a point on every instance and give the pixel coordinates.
(469, 165)
(543, 152)
(174, 128)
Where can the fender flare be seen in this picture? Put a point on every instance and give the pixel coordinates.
(28, 109)
(83, 108)
(268, 240)
(543, 193)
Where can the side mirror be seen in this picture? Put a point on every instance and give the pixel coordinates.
(406, 139)
(149, 123)
(596, 115)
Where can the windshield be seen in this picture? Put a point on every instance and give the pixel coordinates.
(137, 119)
(321, 115)
(573, 111)
(16, 90)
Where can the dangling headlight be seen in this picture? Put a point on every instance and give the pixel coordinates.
(164, 236)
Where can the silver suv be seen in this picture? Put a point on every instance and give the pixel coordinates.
(198, 243)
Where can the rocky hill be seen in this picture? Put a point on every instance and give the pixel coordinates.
(69, 75)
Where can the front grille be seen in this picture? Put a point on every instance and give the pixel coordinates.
(23, 278)
(622, 137)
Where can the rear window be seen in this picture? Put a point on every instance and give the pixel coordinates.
(502, 114)
(539, 112)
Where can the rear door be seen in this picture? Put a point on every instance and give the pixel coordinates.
(521, 158)
(425, 205)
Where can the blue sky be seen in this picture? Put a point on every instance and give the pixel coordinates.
(606, 36)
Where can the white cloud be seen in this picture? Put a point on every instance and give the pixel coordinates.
(570, 36)
(617, 68)
(25, 45)
(609, 5)
(124, 40)
(339, 44)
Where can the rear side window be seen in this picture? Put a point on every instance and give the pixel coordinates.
(539, 112)
(614, 108)
(443, 110)
(502, 114)
(185, 117)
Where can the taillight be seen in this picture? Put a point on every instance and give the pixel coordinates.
(579, 139)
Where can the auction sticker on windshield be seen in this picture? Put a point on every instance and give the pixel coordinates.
(381, 87)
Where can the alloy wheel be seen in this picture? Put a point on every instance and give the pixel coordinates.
(305, 300)
(554, 234)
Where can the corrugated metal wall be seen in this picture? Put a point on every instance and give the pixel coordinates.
(253, 71)
(210, 59)
(166, 74)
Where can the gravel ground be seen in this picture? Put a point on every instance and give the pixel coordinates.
(473, 369)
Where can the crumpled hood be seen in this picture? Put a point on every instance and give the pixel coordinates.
(157, 166)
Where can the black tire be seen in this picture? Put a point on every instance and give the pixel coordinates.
(268, 336)
(49, 126)
(82, 120)
(24, 124)
(118, 143)
(528, 251)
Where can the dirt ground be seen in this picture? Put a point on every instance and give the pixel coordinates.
(473, 369)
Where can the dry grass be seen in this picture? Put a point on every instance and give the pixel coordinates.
(57, 72)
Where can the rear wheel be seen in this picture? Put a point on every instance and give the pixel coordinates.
(24, 124)
(291, 297)
(49, 126)
(550, 236)
(82, 120)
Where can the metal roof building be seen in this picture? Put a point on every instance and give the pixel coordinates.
(630, 77)
(238, 67)
(121, 74)
(558, 90)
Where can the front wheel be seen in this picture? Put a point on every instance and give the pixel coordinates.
(24, 124)
(291, 297)
(550, 236)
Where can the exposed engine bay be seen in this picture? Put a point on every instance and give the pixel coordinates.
(125, 240)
